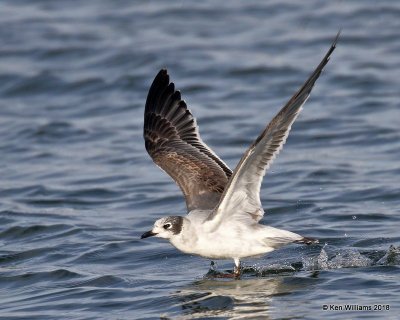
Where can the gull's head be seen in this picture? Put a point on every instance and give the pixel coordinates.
(165, 228)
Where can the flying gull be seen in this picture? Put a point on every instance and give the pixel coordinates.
(224, 207)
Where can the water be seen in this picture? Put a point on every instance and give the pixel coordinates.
(78, 189)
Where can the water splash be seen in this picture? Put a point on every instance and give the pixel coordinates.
(316, 263)
(392, 257)
(349, 259)
(275, 269)
(343, 259)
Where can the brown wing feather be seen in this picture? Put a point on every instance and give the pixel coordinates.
(173, 141)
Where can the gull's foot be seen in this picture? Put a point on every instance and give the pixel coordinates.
(213, 266)
(213, 273)
(237, 271)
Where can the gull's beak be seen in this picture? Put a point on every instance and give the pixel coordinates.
(148, 234)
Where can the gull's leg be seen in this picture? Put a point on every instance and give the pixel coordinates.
(212, 266)
(237, 271)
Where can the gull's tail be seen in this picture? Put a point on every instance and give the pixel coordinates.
(306, 240)
(276, 238)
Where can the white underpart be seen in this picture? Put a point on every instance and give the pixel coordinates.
(235, 240)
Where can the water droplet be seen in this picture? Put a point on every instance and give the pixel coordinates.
(345, 234)
(354, 217)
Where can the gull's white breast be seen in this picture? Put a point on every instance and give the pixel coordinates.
(232, 239)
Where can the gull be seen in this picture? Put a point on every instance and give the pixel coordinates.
(224, 207)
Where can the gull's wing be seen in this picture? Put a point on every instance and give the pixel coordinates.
(241, 198)
(172, 140)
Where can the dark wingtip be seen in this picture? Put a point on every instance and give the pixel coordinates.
(307, 241)
(162, 74)
(335, 41)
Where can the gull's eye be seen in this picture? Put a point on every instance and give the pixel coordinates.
(167, 226)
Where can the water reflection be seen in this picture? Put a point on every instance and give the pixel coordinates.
(236, 299)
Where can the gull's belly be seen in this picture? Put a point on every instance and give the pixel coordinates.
(231, 243)
(222, 247)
